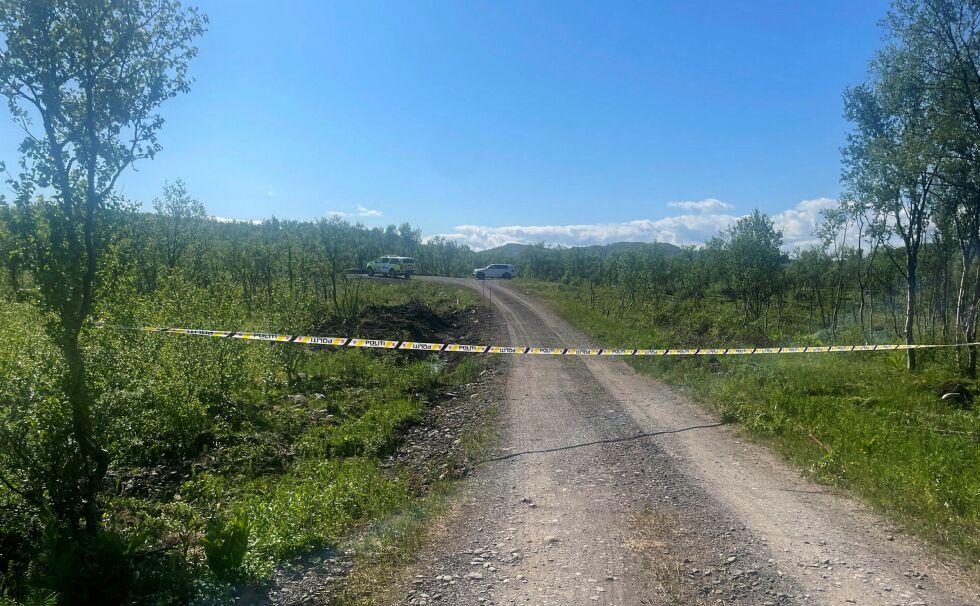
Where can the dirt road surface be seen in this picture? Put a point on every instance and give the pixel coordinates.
(612, 488)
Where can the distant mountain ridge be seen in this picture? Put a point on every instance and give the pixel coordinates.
(514, 249)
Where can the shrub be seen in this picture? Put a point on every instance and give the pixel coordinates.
(87, 569)
(225, 545)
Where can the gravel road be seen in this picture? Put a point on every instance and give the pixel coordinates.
(612, 488)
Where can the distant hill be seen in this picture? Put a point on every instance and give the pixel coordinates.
(600, 250)
(507, 250)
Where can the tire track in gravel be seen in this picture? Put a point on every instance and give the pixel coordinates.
(643, 498)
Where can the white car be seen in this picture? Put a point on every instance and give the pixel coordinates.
(497, 270)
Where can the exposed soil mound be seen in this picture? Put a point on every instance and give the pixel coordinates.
(412, 321)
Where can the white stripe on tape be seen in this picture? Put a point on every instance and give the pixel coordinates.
(506, 350)
(261, 336)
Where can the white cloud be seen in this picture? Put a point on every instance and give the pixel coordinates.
(218, 219)
(707, 218)
(799, 223)
(360, 211)
(706, 205)
(368, 212)
(681, 229)
(271, 192)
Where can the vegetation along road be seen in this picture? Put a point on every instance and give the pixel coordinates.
(610, 487)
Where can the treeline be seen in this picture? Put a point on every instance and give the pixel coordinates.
(852, 288)
(840, 291)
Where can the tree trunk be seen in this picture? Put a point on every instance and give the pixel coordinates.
(893, 313)
(862, 287)
(871, 314)
(962, 321)
(14, 272)
(945, 298)
(289, 266)
(910, 311)
(809, 317)
(971, 327)
(838, 299)
(94, 459)
(823, 314)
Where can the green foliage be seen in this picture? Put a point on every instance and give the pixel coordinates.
(225, 545)
(180, 222)
(34, 421)
(465, 371)
(88, 570)
(373, 432)
(35, 598)
(291, 439)
(166, 539)
(286, 442)
(93, 74)
(754, 261)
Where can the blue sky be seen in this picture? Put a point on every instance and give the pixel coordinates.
(561, 121)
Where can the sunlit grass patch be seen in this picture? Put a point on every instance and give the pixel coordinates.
(312, 505)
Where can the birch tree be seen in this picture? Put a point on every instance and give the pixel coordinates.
(84, 80)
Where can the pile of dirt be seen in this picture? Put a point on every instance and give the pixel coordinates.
(412, 321)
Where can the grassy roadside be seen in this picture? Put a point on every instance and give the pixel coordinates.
(230, 459)
(854, 421)
(384, 554)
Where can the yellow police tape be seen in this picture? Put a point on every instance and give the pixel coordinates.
(532, 351)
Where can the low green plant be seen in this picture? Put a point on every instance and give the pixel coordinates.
(37, 597)
(86, 569)
(225, 546)
(374, 432)
(313, 505)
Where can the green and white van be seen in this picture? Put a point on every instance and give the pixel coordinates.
(392, 266)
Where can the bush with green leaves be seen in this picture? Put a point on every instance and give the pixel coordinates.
(225, 544)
